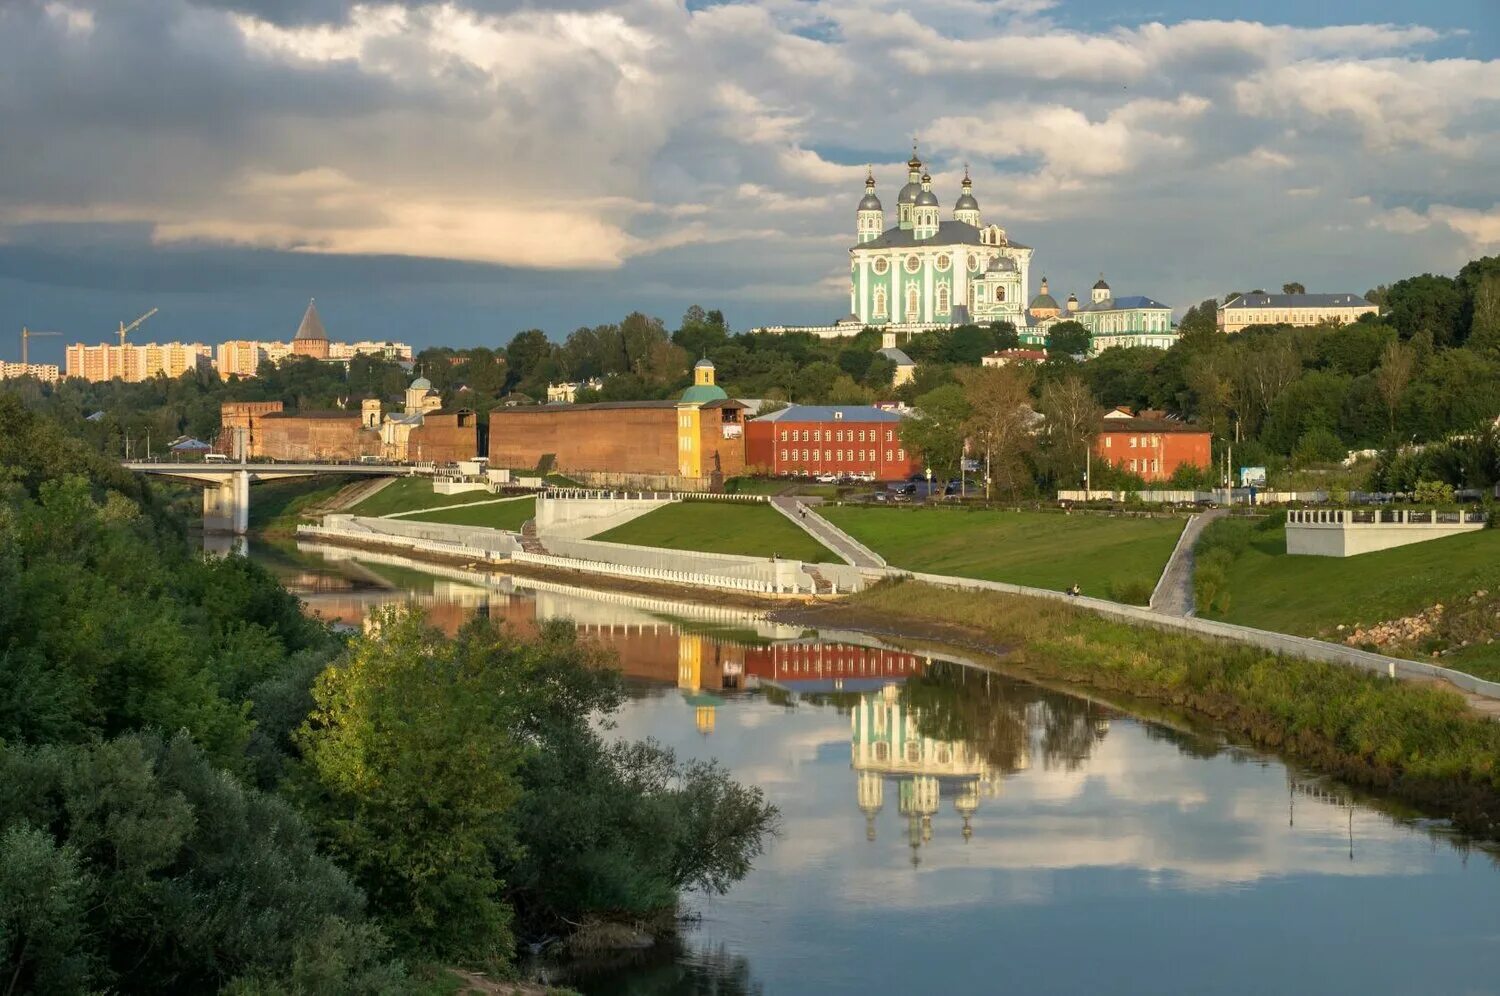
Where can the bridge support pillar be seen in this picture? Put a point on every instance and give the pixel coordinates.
(226, 505)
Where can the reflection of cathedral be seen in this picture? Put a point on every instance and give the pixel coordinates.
(887, 743)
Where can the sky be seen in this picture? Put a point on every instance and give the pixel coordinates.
(455, 172)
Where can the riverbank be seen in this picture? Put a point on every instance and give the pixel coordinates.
(1420, 743)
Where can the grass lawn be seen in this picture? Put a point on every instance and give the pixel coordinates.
(1041, 549)
(752, 530)
(510, 515)
(777, 486)
(407, 494)
(1310, 596)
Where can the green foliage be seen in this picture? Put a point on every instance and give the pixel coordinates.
(135, 865)
(1215, 552)
(458, 777)
(1432, 493)
(937, 433)
(1133, 589)
(410, 775)
(1319, 444)
(1069, 338)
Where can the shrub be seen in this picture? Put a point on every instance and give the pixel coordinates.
(1134, 589)
(1433, 493)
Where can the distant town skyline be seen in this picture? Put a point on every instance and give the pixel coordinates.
(509, 166)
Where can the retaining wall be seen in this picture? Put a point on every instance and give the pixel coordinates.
(472, 537)
(580, 518)
(1342, 532)
(783, 573)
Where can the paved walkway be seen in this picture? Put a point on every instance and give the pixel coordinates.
(1174, 592)
(850, 550)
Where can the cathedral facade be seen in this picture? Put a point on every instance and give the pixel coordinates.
(927, 271)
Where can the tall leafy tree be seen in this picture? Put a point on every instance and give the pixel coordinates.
(937, 430)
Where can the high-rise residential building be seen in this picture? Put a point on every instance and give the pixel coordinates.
(47, 372)
(134, 362)
(390, 350)
(240, 357)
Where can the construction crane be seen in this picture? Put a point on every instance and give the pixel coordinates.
(133, 325)
(26, 335)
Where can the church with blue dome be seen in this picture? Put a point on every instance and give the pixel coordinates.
(925, 271)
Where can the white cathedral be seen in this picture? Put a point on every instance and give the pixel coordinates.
(924, 271)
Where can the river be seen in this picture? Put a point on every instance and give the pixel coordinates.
(949, 829)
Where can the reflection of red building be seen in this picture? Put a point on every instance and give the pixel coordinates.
(788, 662)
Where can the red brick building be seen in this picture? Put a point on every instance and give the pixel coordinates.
(625, 443)
(445, 436)
(825, 439)
(1150, 444)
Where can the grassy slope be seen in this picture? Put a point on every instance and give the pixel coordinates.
(276, 506)
(1310, 596)
(406, 494)
(752, 530)
(1041, 549)
(510, 515)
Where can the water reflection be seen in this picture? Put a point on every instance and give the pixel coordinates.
(947, 828)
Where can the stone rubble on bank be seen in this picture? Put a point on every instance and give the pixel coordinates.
(1475, 620)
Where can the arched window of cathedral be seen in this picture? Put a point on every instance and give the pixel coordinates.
(943, 262)
(913, 264)
(942, 299)
(880, 301)
(881, 265)
(911, 301)
(999, 293)
(973, 261)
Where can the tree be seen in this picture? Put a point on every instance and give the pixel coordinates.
(1262, 373)
(525, 353)
(1427, 305)
(1481, 279)
(1071, 415)
(1201, 318)
(411, 771)
(136, 865)
(1068, 338)
(1393, 376)
(999, 422)
(1293, 288)
(1209, 377)
(937, 430)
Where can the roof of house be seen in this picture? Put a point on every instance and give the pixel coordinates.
(1298, 301)
(831, 413)
(1021, 354)
(948, 233)
(1128, 303)
(1123, 419)
(896, 356)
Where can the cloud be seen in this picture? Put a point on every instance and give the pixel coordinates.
(1480, 229)
(674, 153)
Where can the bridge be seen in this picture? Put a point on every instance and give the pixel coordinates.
(226, 486)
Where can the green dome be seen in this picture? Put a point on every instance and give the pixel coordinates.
(701, 393)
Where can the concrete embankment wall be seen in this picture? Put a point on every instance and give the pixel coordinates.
(580, 518)
(779, 572)
(1281, 643)
(494, 540)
